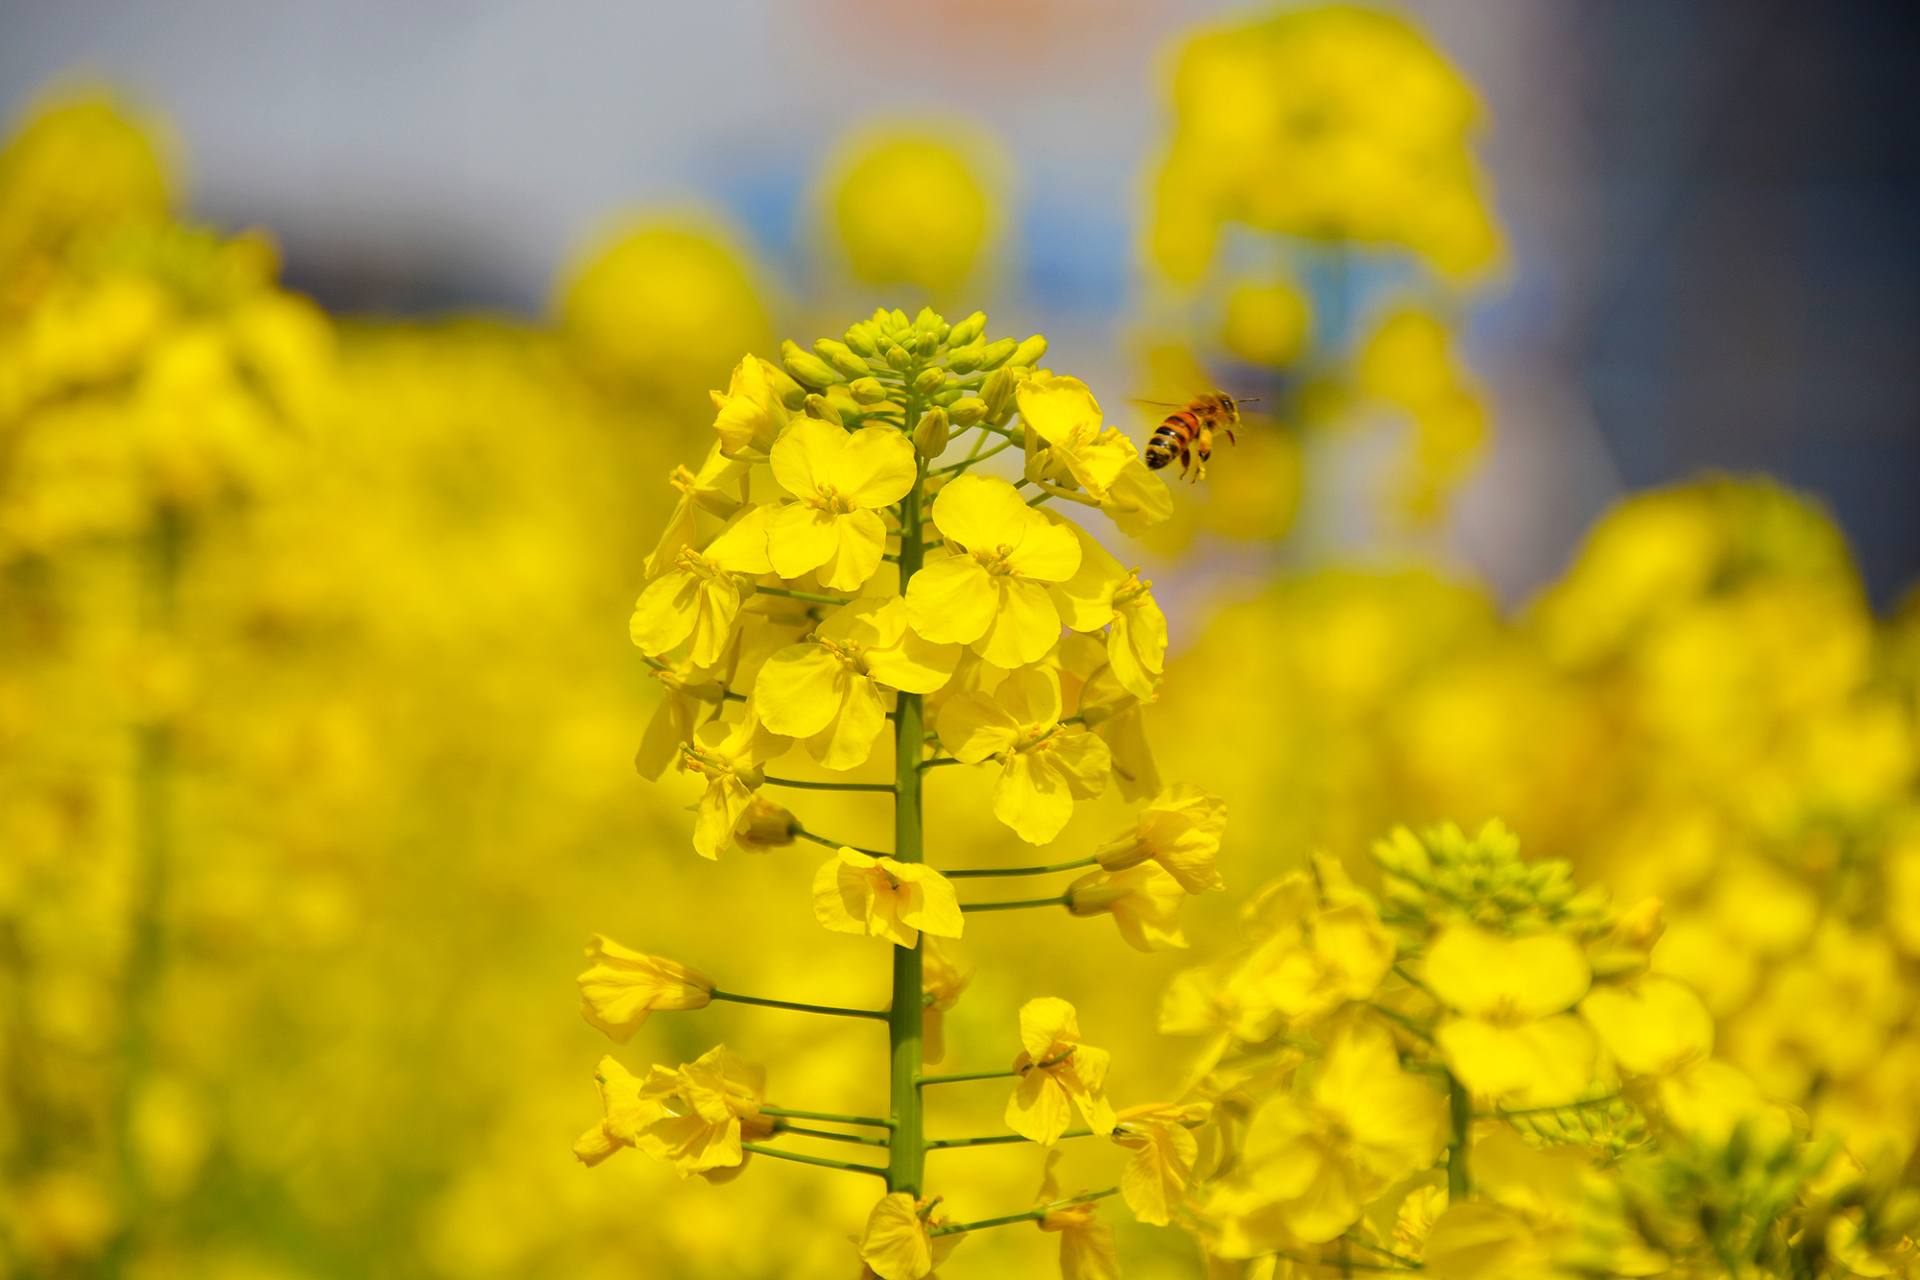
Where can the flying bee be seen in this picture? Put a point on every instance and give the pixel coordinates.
(1188, 432)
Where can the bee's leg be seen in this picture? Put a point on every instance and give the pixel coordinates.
(1186, 459)
(1230, 436)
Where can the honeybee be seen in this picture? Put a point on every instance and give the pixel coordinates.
(1188, 432)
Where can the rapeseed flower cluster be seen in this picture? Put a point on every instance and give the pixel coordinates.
(836, 575)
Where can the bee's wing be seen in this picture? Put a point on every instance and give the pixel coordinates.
(1158, 404)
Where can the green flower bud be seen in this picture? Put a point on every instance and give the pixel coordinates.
(998, 393)
(927, 345)
(967, 411)
(963, 359)
(867, 390)
(898, 322)
(927, 321)
(818, 406)
(1030, 351)
(967, 330)
(946, 396)
(862, 339)
(899, 357)
(930, 437)
(807, 369)
(995, 354)
(841, 357)
(929, 381)
(940, 334)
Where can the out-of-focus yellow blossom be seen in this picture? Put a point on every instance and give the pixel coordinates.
(1086, 1243)
(80, 162)
(1160, 1136)
(1308, 1163)
(899, 1244)
(694, 602)
(1058, 1075)
(651, 305)
(944, 976)
(827, 690)
(1314, 953)
(1180, 829)
(1144, 901)
(1267, 323)
(1408, 363)
(1513, 1036)
(884, 898)
(1654, 1028)
(837, 481)
(729, 757)
(910, 208)
(621, 986)
(991, 592)
(1044, 765)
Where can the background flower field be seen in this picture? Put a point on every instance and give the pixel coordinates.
(318, 730)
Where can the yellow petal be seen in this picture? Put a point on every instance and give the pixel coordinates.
(1039, 1109)
(932, 906)
(806, 454)
(951, 600)
(876, 469)
(1032, 798)
(663, 615)
(860, 545)
(801, 538)
(896, 1243)
(981, 512)
(1654, 1028)
(800, 690)
(1044, 551)
(1478, 972)
(973, 727)
(847, 741)
(1025, 624)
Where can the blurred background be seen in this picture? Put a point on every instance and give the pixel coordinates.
(344, 351)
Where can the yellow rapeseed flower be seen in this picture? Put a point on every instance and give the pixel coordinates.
(1656, 1027)
(1181, 830)
(991, 592)
(752, 412)
(1080, 449)
(885, 898)
(1160, 1136)
(1086, 1243)
(1511, 1036)
(729, 757)
(826, 689)
(1102, 595)
(1044, 765)
(695, 602)
(621, 986)
(1057, 1075)
(898, 1243)
(1144, 901)
(839, 481)
(719, 487)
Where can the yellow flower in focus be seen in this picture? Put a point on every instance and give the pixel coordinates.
(1160, 1136)
(729, 757)
(992, 593)
(1512, 1036)
(1044, 765)
(838, 480)
(909, 208)
(1057, 1074)
(622, 986)
(1102, 595)
(1309, 1162)
(826, 689)
(898, 1242)
(701, 1111)
(1144, 901)
(719, 487)
(752, 412)
(884, 898)
(624, 1114)
(652, 307)
(1181, 830)
(1086, 1243)
(1081, 450)
(696, 601)
(944, 974)
(1654, 1028)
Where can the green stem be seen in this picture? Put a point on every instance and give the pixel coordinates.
(939, 761)
(811, 597)
(1401, 1020)
(981, 873)
(809, 784)
(995, 1139)
(972, 459)
(1460, 1115)
(834, 1010)
(802, 833)
(792, 1113)
(1031, 1215)
(906, 1162)
(854, 1166)
(1059, 900)
(963, 1077)
(1578, 1104)
(861, 1138)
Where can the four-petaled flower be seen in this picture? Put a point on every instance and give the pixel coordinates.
(729, 757)
(826, 689)
(1510, 1036)
(839, 480)
(899, 1243)
(1057, 1074)
(1044, 765)
(694, 603)
(694, 1116)
(1181, 831)
(882, 897)
(1144, 901)
(992, 592)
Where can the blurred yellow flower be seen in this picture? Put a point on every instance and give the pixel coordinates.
(1044, 765)
(1267, 324)
(838, 482)
(1160, 1168)
(621, 986)
(1653, 1028)
(991, 592)
(880, 897)
(1086, 1243)
(910, 208)
(1058, 1074)
(1511, 1036)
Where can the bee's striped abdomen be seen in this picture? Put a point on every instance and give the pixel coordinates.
(1172, 436)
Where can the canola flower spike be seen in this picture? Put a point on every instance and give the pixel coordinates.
(937, 602)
